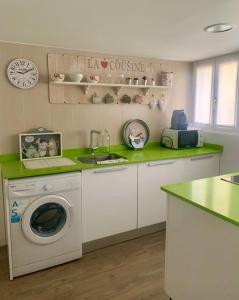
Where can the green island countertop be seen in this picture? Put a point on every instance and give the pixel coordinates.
(13, 168)
(213, 195)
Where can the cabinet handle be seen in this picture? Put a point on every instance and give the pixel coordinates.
(110, 170)
(201, 157)
(160, 163)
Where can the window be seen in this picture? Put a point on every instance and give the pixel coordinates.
(215, 92)
(226, 93)
(203, 93)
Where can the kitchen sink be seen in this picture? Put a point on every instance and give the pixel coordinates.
(93, 159)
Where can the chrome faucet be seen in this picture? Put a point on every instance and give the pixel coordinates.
(92, 146)
(107, 135)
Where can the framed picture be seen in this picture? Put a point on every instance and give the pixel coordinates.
(40, 145)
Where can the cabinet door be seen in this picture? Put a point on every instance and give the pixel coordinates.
(201, 167)
(109, 201)
(151, 200)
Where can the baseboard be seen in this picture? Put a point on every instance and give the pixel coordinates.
(122, 237)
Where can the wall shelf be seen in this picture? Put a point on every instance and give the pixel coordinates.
(116, 86)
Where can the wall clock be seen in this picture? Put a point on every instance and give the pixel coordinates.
(22, 73)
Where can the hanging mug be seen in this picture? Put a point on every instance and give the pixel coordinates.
(109, 99)
(152, 104)
(126, 99)
(138, 99)
(96, 99)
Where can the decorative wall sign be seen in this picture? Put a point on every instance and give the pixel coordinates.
(116, 65)
(100, 69)
(104, 63)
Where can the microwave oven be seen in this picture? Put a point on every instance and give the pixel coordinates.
(177, 139)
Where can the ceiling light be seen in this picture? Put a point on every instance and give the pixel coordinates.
(220, 27)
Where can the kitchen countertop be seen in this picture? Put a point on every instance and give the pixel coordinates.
(213, 195)
(13, 168)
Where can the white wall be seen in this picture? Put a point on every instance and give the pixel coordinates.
(230, 156)
(31, 108)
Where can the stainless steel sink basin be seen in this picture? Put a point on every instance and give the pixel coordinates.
(93, 159)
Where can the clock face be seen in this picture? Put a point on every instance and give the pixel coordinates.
(22, 73)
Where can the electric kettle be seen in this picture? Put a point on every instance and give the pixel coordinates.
(179, 120)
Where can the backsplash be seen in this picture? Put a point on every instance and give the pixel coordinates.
(22, 110)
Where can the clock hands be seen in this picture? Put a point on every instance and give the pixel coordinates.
(26, 71)
(29, 70)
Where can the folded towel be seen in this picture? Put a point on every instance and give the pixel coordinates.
(112, 161)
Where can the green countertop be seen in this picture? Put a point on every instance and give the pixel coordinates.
(213, 195)
(13, 168)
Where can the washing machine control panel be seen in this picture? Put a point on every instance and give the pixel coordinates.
(43, 187)
(48, 187)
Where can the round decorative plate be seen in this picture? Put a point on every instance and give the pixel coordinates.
(136, 133)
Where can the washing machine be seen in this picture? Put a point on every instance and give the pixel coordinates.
(44, 222)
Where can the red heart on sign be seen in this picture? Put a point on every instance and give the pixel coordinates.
(104, 63)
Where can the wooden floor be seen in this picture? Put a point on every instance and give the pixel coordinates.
(130, 270)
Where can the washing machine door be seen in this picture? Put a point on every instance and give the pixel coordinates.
(47, 219)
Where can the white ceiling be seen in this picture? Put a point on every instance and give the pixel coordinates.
(167, 29)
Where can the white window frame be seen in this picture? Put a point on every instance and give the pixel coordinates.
(215, 65)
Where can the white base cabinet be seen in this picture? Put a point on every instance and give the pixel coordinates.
(109, 201)
(122, 198)
(152, 202)
(201, 167)
(151, 176)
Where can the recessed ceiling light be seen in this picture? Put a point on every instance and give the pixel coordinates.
(220, 27)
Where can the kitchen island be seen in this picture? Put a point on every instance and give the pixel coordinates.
(202, 240)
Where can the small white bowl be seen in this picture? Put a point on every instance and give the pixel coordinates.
(76, 77)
